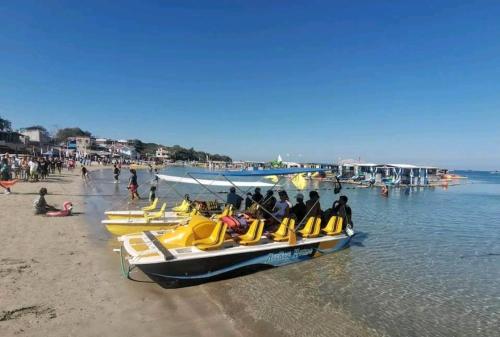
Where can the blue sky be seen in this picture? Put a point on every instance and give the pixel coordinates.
(409, 81)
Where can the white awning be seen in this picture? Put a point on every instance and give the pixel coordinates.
(208, 182)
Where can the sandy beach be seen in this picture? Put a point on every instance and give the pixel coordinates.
(55, 280)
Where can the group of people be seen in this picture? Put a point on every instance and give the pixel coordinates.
(30, 168)
(274, 210)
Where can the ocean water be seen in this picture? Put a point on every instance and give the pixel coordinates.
(425, 262)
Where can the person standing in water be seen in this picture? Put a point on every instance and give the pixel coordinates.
(152, 193)
(116, 173)
(85, 173)
(133, 185)
(385, 191)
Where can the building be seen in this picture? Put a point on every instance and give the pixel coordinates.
(37, 135)
(12, 142)
(83, 144)
(162, 153)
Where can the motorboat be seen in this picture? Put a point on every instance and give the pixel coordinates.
(205, 250)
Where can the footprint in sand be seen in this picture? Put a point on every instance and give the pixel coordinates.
(36, 310)
(9, 266)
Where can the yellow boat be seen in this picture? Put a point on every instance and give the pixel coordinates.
(153, 221)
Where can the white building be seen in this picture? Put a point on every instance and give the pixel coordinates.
(83, 144)
(36, 134)
(162, 153)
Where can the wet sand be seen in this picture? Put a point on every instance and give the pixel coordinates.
(55, 280)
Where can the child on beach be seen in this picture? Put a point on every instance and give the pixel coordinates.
(152, 193)
(41, 206)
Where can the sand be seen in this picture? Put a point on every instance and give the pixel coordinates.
(55, 280)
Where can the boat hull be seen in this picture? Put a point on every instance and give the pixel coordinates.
(125, 229)
(177, 273)
(120, 215)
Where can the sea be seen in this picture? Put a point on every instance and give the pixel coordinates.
(424, 261)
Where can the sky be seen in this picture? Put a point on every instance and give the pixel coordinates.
(384, 81)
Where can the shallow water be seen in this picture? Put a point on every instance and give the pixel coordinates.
(426, 262)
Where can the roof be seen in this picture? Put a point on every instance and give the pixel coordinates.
(411, 166)
(256, 173)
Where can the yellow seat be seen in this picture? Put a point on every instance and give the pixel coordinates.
(156, 215)
(215, 240)
(282, 233)
(183, 207)
(334, 226)
(253, 234)
(227, 211)
(152, 206)
(316, 229)
(308, 227)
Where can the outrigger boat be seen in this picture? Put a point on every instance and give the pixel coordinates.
(144, 212)
(203, 250)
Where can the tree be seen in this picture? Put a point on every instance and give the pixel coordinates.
(63, 134)
(5, 125)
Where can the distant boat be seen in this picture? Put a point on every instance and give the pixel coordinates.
(495, 172)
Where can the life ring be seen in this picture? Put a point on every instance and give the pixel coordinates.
(68, 206)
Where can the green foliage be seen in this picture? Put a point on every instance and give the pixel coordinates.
(177, 152)
(63, 134)
(5, 125)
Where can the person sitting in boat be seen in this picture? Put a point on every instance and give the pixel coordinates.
(313, 206)
(340, 208)
(248, 201)
(281, 207)
(257, 196)
(299, 210)
(41, 206)
(234, 199)
(268, 204)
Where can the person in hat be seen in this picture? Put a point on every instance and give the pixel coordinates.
(299, 209)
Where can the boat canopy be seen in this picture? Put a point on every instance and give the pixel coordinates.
(259, 173)
(207, 182)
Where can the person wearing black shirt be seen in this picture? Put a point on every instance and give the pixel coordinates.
(116, 173)
(299, 209)
(257, 196)
(234, 199)
(340, 208)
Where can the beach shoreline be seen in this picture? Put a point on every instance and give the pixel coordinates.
(56, 280)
